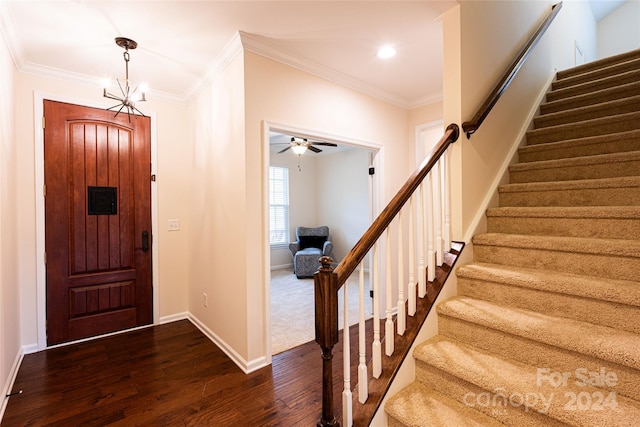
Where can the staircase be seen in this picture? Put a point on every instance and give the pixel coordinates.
(546, 327)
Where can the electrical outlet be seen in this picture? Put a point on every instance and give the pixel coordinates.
(204, 300)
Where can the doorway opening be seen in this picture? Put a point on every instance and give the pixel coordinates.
(336, 187)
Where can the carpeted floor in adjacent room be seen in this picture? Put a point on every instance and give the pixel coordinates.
(292, 308)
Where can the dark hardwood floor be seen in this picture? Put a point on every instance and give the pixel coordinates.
(167, 375)
(173, 375)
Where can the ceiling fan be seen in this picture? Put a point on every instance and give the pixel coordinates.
(300, 145)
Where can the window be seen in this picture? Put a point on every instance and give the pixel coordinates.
(279, 205)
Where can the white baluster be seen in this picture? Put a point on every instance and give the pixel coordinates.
(422, 286)
(347, 413)
(388, 331)
(376, 347)
(402, 320)
(446, 196)
(412, 264)
(431, 257)
(437, 214)
(363, 381)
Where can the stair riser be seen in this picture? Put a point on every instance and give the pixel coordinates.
(626, 196)
(597, 70)
(466, 393)
(575, 307)
(557, 94)
(615, 93)
(591, 112)
(565, 150)
(576, 172)
(602, 228)
(584, 130)
(599, 265)
(538, 354)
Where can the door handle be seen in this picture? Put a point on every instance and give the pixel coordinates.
(145, 241)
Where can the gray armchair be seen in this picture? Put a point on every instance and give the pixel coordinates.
(312, 243)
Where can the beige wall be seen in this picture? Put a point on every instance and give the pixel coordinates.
(620, 31)
(481, 39)
(10, 239)
(218, 205)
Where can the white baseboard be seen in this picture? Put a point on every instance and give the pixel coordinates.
(31, 348)
(246, 367)
(279, 267)
(13, 373)
(174, 317)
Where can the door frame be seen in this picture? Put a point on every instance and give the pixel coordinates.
(41, 282)
(376, 194)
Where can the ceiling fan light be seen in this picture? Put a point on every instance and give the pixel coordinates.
(299, 149)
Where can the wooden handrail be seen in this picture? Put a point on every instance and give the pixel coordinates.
(327, 281)
(469, 127)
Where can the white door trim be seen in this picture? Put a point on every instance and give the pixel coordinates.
(376, 194)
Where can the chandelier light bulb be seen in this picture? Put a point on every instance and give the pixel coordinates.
(129, 97)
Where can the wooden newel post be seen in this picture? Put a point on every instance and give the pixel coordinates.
(326, 299)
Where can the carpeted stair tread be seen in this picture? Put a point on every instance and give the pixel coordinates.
(603, 301)
(585, 167)
(604, 109)
(469, 373)
(591, 98)
(601, 342)
(596, 212)
(615, 258)
(613, 247)
(622, 191)
(586, 128)
(607, 222)
(602, 288)
(606, 82)
(419, 406)
(605, 66)
(600, 144)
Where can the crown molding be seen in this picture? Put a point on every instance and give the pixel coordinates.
(261, 46)
(232, 49)
(241, 41)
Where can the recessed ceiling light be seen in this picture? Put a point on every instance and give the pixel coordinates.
(386, 52)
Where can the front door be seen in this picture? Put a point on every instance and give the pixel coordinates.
(97, 173)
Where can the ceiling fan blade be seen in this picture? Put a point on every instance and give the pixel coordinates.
(327, 144)
(283, 150)
(314, 149)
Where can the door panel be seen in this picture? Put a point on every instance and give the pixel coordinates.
(97, 206)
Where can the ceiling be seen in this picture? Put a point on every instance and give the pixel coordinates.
(179, 41)
(602, 8)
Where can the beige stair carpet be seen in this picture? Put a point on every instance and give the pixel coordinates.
(545, 330)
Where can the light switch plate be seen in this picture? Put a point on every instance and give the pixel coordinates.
(173, 225)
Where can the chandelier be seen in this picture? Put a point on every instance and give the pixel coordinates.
(129, 97)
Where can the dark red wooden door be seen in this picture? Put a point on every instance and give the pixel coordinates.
(97, 172)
